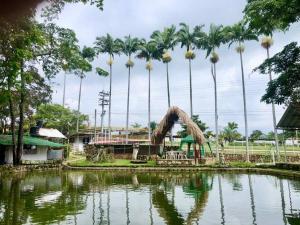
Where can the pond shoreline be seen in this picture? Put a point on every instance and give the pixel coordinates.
(277, 170)
(256, 170)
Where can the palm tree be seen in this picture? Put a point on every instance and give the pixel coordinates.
(107, 44)
(266, 43)
(129, 46)
(83, 65)
(213, 40)
(239, 33)
(149, 51)
(189, 39)
(165, 41)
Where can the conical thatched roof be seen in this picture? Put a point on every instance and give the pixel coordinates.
(173, 114)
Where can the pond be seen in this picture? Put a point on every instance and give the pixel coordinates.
(69, 197)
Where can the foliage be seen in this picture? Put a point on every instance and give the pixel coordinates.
(190, 39)
(165, 40)
(213, 39)
(107, 44)
(52, 10)
(256, 135)
(59, 117)
(136, 125)
(148, 51)
(265, 16)
(102, 72)
(286, 87)
(153, 126)
(230, 132)
(238, 33)
(129, 45)
(203, 127)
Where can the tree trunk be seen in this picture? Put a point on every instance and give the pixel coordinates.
(127, 112)
(12, 120)
(149, 106)
(273, 114)
(245, 106)
(64, 90)
(169, 100)
(109, 106)
(78, 108)
(191, 91)
(21, 122)
(216, 110)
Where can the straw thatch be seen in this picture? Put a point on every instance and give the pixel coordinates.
(174, 113)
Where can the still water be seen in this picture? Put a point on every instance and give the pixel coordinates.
(148, 198)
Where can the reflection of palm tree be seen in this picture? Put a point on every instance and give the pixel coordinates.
(252, 199)
(221, 200)
(282, 201)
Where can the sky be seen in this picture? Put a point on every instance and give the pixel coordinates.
(140, 18)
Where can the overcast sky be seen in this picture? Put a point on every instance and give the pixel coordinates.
(140, 18)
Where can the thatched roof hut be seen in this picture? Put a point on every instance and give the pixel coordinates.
(174, 114)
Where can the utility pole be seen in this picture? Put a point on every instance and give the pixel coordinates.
(103, 101)
(95, 126)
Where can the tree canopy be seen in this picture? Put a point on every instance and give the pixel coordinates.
(59, 117)
(286, 87)
(265, 16)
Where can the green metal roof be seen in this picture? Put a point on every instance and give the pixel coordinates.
(7, 140)
(291, 118)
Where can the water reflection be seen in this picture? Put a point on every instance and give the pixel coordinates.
(156, 198)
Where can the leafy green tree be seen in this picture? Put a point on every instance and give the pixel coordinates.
(153, 126)
(285, 89)
(149, 51)
(256, 135)
(136, 125)
(59, 117)
(268, 15)
(165, 41)
(25, 46)
(230, 132)
(238, 33)
(128, 47)
(203, 127)
(189, 39)
(108, 45)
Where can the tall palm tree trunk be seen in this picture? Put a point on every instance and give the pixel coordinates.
(169, 100)
(274, 115)
(216, 109)
(78, 107)
(191, 91)
(245, 106)
(149, 106)
(109, 106)
(168, 85)
(64, 91)
(127, 113)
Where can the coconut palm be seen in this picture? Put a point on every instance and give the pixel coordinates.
(189, 39)
(83, 65)
(213, 40)
(238, 33)
(148, 51)
(129, 46)
(266, 43)
(107, 44)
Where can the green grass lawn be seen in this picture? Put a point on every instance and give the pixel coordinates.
(115, 163)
